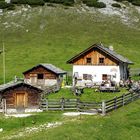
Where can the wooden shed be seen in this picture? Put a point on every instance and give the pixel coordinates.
(43, 75)
(20, 96)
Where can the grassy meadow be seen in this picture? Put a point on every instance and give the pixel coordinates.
(55, 34)
(121, 124)
(88, 95)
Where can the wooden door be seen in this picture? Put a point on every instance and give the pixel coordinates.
(20, 100)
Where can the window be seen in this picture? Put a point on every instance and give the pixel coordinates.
(101, 60)
(104, 77)
(87, 76)
(88, 60)
(40, 76)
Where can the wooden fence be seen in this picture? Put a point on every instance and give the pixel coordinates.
(59, 104)
(69, 104)
(88, 106)
(100, 107)
(118, 102)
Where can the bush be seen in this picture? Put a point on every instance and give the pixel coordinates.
(94, 3)
(119, 0)
(100, 5)
(64, 2)
(136, 2)
(35, 2)
(30, 2)
(11, 7)
(4, 5)
(19, 1)
(116, 5)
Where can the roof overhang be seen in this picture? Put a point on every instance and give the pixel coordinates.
(99, 46)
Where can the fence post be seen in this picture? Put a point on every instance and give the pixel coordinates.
(115, 103)
(123, 99)
(47, 104)
(77, 106)
(138, 94)
(62, 104)
(103, 108)
(132, 97)
(4, 108)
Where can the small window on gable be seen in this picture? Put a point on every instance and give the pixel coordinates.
(88, 60)
(101, 60)
(40, 76)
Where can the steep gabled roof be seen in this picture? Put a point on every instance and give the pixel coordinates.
(111, 53)
(13, 84)
(50, 67)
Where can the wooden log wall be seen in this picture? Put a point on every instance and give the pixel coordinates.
(40, 70)
(95, 55)
(33, 96)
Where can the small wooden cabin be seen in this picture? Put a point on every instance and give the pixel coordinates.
(44, 75)
(20, 96)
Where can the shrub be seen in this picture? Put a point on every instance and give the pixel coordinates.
(94, 3)
(100, 5)
(68, 2)
(30, 2)
(116, 5)
(119, 0)
(35, 2)
(136, 2)
(19, 1)
(64, 2)
(4, 5)
(11, 7)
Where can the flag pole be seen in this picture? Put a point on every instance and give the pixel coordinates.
(4, 64)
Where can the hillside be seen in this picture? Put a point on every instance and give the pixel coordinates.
(54, 34)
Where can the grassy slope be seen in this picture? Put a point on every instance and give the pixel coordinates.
(66, 33)
(11, 125)
(119, 125)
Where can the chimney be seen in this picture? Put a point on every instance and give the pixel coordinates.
(111, 48)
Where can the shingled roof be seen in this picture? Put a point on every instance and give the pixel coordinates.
(106, 50)
(50, 67)
(13, 84)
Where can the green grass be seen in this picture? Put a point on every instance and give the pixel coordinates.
(121, 124)
(11, 124)
(88, 95)
(65, 33)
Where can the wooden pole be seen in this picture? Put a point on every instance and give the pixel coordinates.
(132, 96)
(62, 104)
(5, 106)
(77, 106)
(4, 73)
(47, 104)
(115, 103)
(103, 108)
(123, 99)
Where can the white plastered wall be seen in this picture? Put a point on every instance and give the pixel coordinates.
(97, 71)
